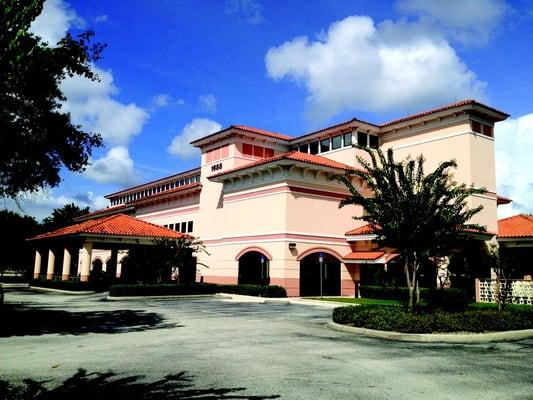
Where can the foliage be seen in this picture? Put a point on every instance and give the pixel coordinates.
(195, 289)
(16, 252)
(421, 216)
(36, 138)
(388, 292)
(448, 299)
(13, 279)
(64, 216)
(166, 258)
(398, 320)
(502, 268)
(74, 286)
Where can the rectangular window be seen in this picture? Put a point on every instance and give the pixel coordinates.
(224, 151)
(171, 226)
(347, 139)
(182, 182)
(247, 149)
(313, 148)
(183, 227)
(269, 152)
(374, 141)
(324, 145)
(487, 130)
(258, 152)
(362, 139)
(189, 226)
(304, 148)
(476, 126)
(336, 142)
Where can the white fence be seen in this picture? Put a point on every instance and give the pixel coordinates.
(519, 291)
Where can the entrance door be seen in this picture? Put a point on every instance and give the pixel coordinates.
(253, 269)
(310, 271)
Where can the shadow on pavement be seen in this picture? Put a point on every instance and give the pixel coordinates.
(108, 385)
(18, 320)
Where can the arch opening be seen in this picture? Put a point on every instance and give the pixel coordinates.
(254, 269)
(320, 278)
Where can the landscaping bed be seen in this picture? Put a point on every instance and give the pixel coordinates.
(395, 318)
(195, 289)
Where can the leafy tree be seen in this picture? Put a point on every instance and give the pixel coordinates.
(422, 216)
(36, 138)
(63, 216)
(16, 253)
(165, 259)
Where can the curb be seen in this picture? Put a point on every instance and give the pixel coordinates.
(79, 292)
(507, 336)
(170, 297)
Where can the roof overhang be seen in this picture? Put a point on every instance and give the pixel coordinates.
(369, 257)
(233, 131)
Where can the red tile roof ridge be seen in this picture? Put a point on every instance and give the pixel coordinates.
(520, 225)
(292, 155)
(364, 255)
(262, 132)
(125, 222)
(438, 109)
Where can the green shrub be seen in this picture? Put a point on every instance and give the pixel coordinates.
(388, 292)
(196, 288)
(14, 279)
(397, 319)
(74, 286)
(450, 299)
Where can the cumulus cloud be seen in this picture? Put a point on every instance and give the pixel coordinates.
(55, 20)
(250, 10)
(92, 106)
(357, 65)
(160, 100)
(208, 103)
(514, 175)
(195, 129)
(41, 203)
(115, 167)
(470, 22)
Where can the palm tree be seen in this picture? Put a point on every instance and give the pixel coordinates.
(420, 215)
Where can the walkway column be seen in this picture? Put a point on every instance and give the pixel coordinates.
(51, 262)
(37, 265)
(67, 259)
(86, 256)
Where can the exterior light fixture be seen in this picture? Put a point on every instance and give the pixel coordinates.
(292, 246)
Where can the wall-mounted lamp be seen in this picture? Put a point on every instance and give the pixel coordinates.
(292, 246)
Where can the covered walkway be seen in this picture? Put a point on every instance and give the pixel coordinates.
(113, 233)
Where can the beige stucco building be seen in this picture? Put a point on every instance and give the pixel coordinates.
(266, 210)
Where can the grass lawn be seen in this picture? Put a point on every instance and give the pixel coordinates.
(352, 300)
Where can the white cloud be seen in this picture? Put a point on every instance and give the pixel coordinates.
(160, 100)
(250, 10)
(115, 167)
(40, 204)
(470, 22)
(357, 65)
(181, 102)
(514, 172)
(55, 20)
(195, 129)
(91, 105)
(208, 103)
(100, 19)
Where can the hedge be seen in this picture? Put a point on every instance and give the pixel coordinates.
(196, 288)
(398, 320)
(75, 286)
(14, 279)
(388, 292)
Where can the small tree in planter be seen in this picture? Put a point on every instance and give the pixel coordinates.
(503, 270)
(422, 216)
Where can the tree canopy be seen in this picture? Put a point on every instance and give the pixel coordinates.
(16, 252)
(36, 138)
(421, 215)
(63, 216)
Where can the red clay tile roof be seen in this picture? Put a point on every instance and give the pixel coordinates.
(108, 210)
(439, 109)
(364, 255)
(295, 156)
(362, 230)
(262, 132)
(517, 226)
(114, 225)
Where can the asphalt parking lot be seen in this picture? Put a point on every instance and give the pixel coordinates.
(228, 348)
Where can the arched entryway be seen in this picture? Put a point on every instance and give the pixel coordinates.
(314, 265)
(253, 269)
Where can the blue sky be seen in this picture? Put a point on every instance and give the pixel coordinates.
(174, 70)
